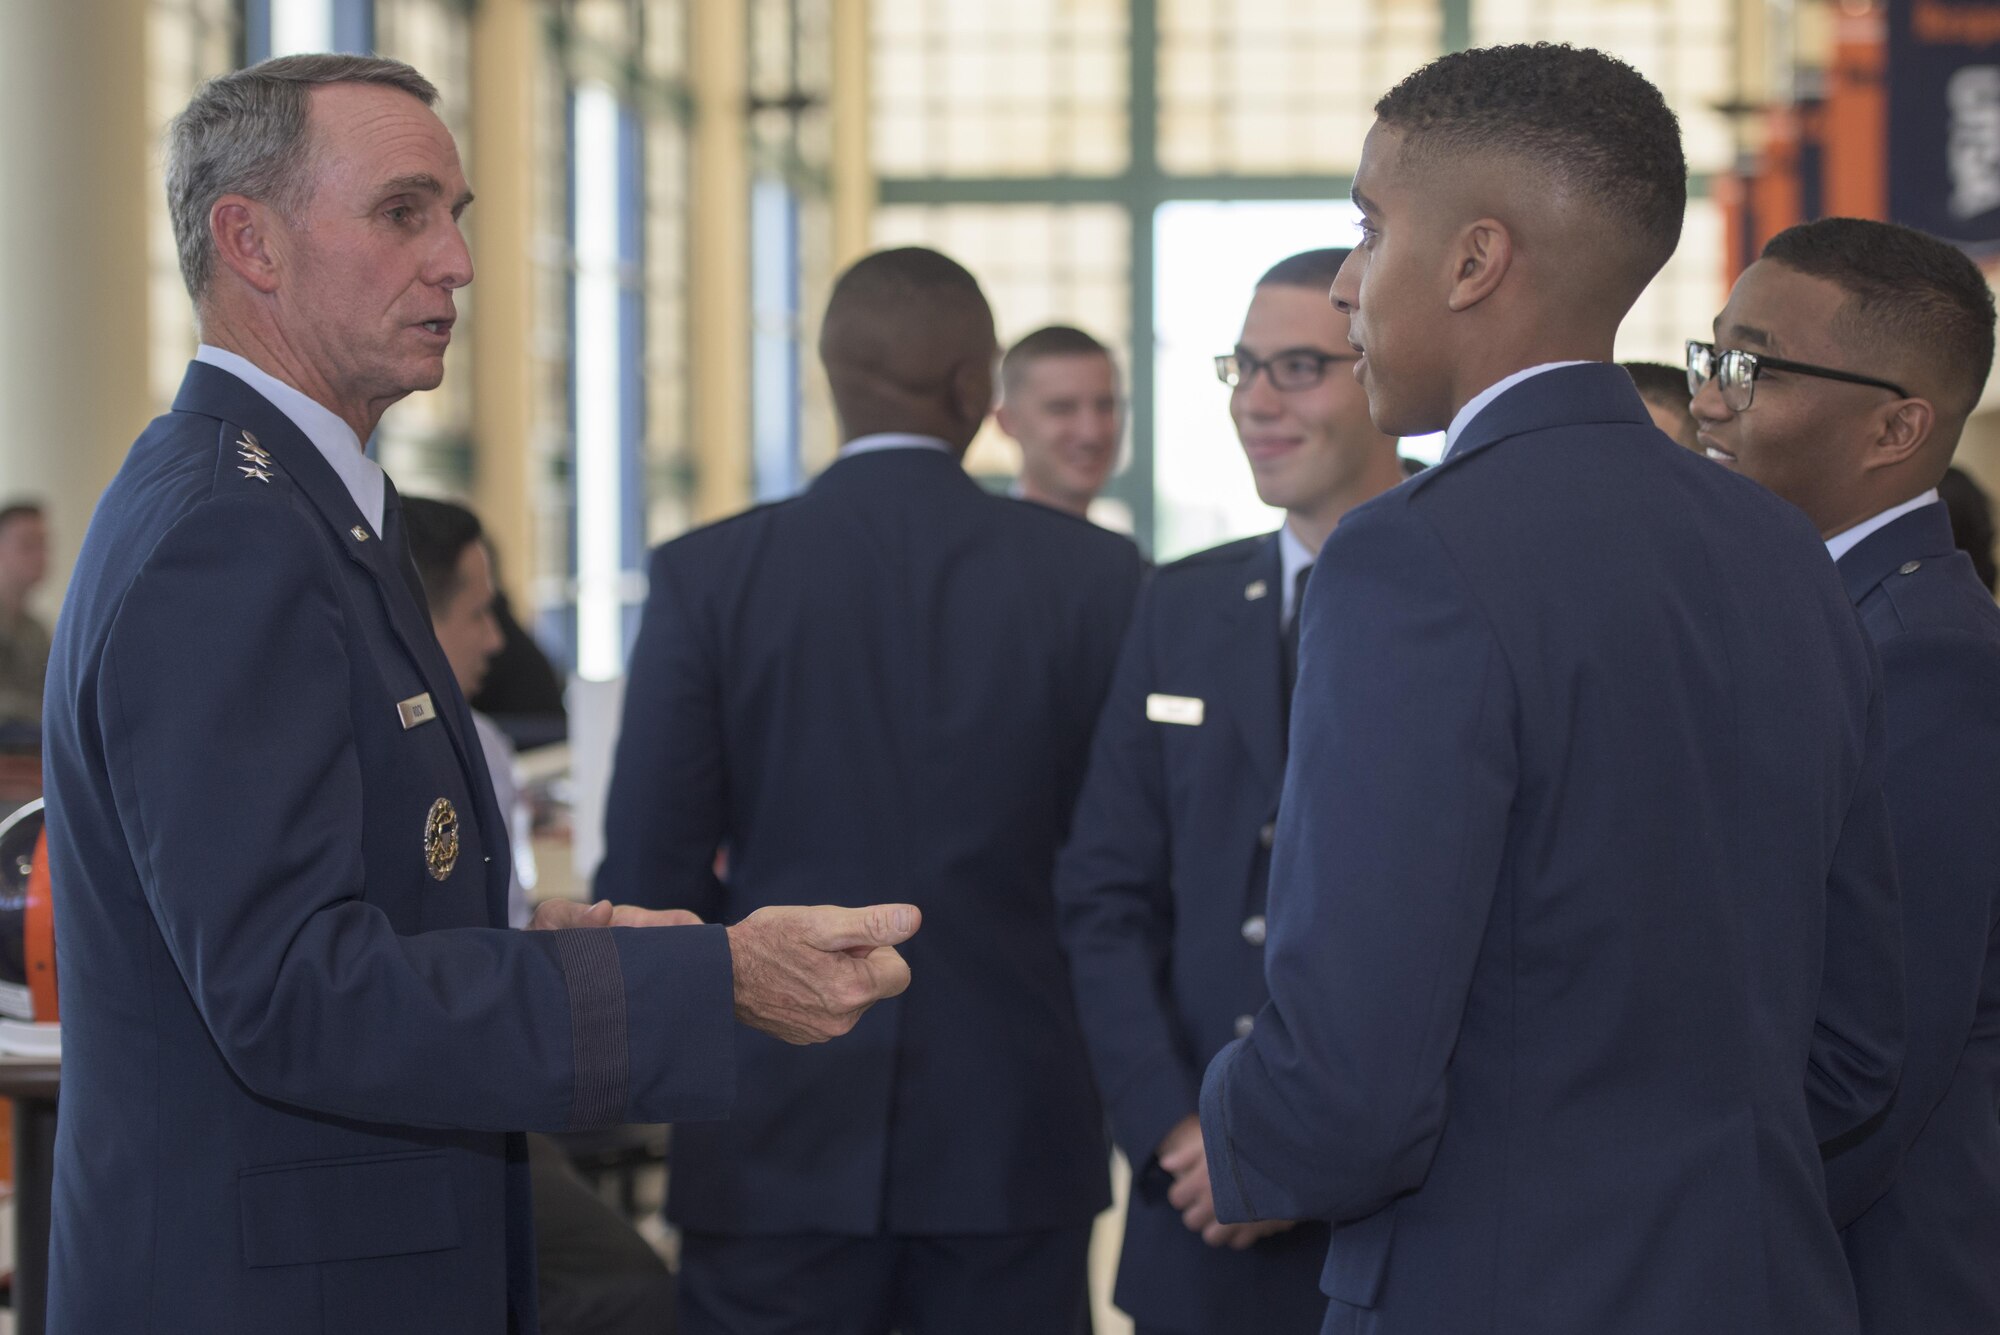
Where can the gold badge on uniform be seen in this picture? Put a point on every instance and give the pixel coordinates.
(441, 839)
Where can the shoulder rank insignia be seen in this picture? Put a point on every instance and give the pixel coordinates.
(256, 459)
(441, 839)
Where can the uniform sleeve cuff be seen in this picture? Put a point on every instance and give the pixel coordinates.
(680, 1022)
(1232, 1201)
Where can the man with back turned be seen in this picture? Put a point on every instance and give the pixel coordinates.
(887, 683)
(1582, 921)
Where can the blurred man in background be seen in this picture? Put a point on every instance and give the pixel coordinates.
(1665, 390)
(1161, 887)
(886, 683)
(1061, 401)
(24, 639)
(1842, 373)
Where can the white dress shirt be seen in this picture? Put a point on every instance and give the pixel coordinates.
(1478, 402)
(892, 440)
(1293, 556)
(331, 436)
(1840, 544)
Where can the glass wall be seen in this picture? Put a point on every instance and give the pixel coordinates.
(1065, 151)
(611, 462)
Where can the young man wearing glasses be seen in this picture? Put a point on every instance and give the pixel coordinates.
(1843, 370)
(1161, 888)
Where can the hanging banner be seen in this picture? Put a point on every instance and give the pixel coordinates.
(1944, 119)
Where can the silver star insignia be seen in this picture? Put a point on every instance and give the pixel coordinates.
(257, 473)
(251, 437)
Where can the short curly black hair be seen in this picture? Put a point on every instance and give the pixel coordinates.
(1903, 287)
(1591, 123)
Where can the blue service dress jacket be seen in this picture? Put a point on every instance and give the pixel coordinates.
(882, 690)
(1920, 1197)
(1583, 923)
(295, 1043)
(1161, 895)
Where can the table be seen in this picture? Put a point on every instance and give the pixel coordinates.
(32, 1083)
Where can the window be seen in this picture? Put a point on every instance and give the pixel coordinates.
(611, 303)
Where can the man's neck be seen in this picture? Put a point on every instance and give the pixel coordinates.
(275, 358)
(1858, 509)
(1476, 375)
(13, 604)
(1313, 525)
(1067, 502)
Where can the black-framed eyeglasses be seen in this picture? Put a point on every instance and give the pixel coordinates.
(1736, 372)
(1294, 368)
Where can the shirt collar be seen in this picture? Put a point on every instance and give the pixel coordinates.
(1840, 544)
(332, 437)
(1293, 556)
(892, 440)
(1485, 396)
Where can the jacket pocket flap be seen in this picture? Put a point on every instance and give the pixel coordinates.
(347, 1209)
(1356, 1258)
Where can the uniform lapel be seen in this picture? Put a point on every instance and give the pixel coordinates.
(1249, 662)
(213, 392)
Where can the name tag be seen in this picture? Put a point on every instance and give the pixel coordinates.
(1182, 709)
(417, 709)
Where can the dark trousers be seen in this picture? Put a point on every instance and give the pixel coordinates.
(597, 1276)
(811, 1284)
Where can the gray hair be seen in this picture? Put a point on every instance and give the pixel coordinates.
(246, 134)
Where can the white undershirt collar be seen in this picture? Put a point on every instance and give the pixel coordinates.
(1840, 544)
(892, 440)
(1293, 556)
(1473, 406)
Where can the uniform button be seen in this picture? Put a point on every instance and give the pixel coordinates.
(1244, 1024)
(1253, 929)
(1268, 835)
(1911, 567)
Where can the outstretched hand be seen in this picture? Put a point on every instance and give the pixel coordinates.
(806, 975)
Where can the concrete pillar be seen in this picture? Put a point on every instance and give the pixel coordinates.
(74, 140)
(506, 54)
(719, 257)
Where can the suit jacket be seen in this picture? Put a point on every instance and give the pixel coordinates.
(1583, 923)
(293, 1044)
(1920, 1198)
(882, 690)
(1161, 892)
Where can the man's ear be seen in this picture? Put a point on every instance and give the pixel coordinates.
(1006, 420)
(1901, 430)
(1480, 257)
(972, 390)
(243, 230)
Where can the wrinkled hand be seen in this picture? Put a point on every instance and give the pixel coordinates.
(807, 974)
(558, 914)
(1184, 1155)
